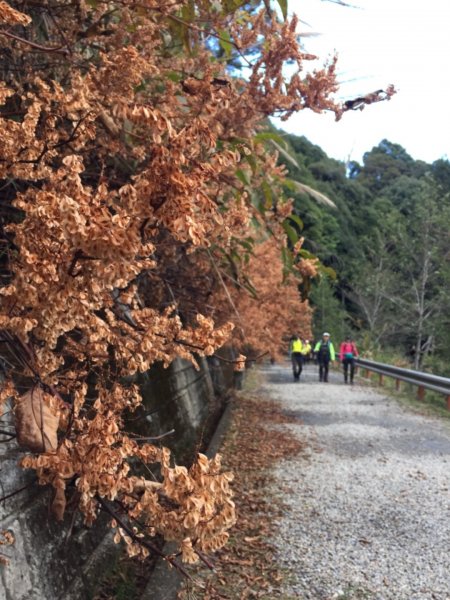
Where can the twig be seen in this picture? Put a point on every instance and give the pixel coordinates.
(151, 439)
(72, 135)
(59, 49)
(205, 560)
(79, 255)
(3, 498)
(228, 295)
(154, 549)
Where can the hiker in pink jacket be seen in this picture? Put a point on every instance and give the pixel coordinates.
(347, 354)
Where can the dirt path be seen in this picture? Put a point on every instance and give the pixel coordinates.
(367, 512)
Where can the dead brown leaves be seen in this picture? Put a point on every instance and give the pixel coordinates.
(122, 139)
(6, 539)
(278, 311)
(193, 507)
(10, 16)
(37, 420)
(361, 101)
(246, 568)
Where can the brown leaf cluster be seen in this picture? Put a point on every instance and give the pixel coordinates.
(10, 16)
(6, 539)
(263, 324)
(122, 138)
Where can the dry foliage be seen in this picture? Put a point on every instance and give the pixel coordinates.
(246, 568)
(264, 323)
(130, 166)
(37, 420)
(6, 539)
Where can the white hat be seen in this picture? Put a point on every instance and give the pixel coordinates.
(326, 333)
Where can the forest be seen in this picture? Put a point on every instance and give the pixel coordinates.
(386, 246)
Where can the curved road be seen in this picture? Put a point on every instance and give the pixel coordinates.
(367, 505)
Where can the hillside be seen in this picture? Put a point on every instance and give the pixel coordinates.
(386, 240)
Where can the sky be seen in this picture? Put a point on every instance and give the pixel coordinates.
(379, 42)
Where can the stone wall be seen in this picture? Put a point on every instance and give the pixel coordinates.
(55, 561)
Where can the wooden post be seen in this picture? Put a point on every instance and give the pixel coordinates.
(448, 402)
(421, 393)
(397, 384)
(381, 378)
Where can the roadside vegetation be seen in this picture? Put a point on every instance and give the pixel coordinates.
(385, 249)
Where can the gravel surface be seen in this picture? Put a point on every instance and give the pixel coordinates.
(367, 511)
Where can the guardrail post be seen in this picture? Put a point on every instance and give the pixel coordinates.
(421, 393)
(381, 379)
(448, 402)
(397, 384)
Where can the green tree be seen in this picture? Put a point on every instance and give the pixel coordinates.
(329, 313)
(385, 163)
(423, 241)
(386, 239)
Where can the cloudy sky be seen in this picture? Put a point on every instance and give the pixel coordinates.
(379, 42)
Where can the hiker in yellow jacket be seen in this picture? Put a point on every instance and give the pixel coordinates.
(324, 352)
(295, 349)
(306, 351)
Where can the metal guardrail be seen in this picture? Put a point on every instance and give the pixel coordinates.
(423, 381)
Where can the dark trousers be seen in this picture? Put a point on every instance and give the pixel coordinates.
(346, 363)
(323, 369)
(297, 364)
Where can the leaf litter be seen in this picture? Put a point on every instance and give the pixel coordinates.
(246, 567)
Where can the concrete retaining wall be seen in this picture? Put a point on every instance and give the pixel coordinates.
(55, 561)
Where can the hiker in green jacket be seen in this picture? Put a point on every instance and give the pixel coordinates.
(324, 352)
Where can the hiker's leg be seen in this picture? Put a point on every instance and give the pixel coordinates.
(326, 365)
(294, 365)
(352, 369)
(345, 367)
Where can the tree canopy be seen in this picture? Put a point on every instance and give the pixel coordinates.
(387, 242)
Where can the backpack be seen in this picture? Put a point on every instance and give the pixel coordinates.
(349, 350)
(324, 349)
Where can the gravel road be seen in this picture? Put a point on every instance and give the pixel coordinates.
(367, 511)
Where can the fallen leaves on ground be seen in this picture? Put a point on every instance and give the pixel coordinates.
(246, 567)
